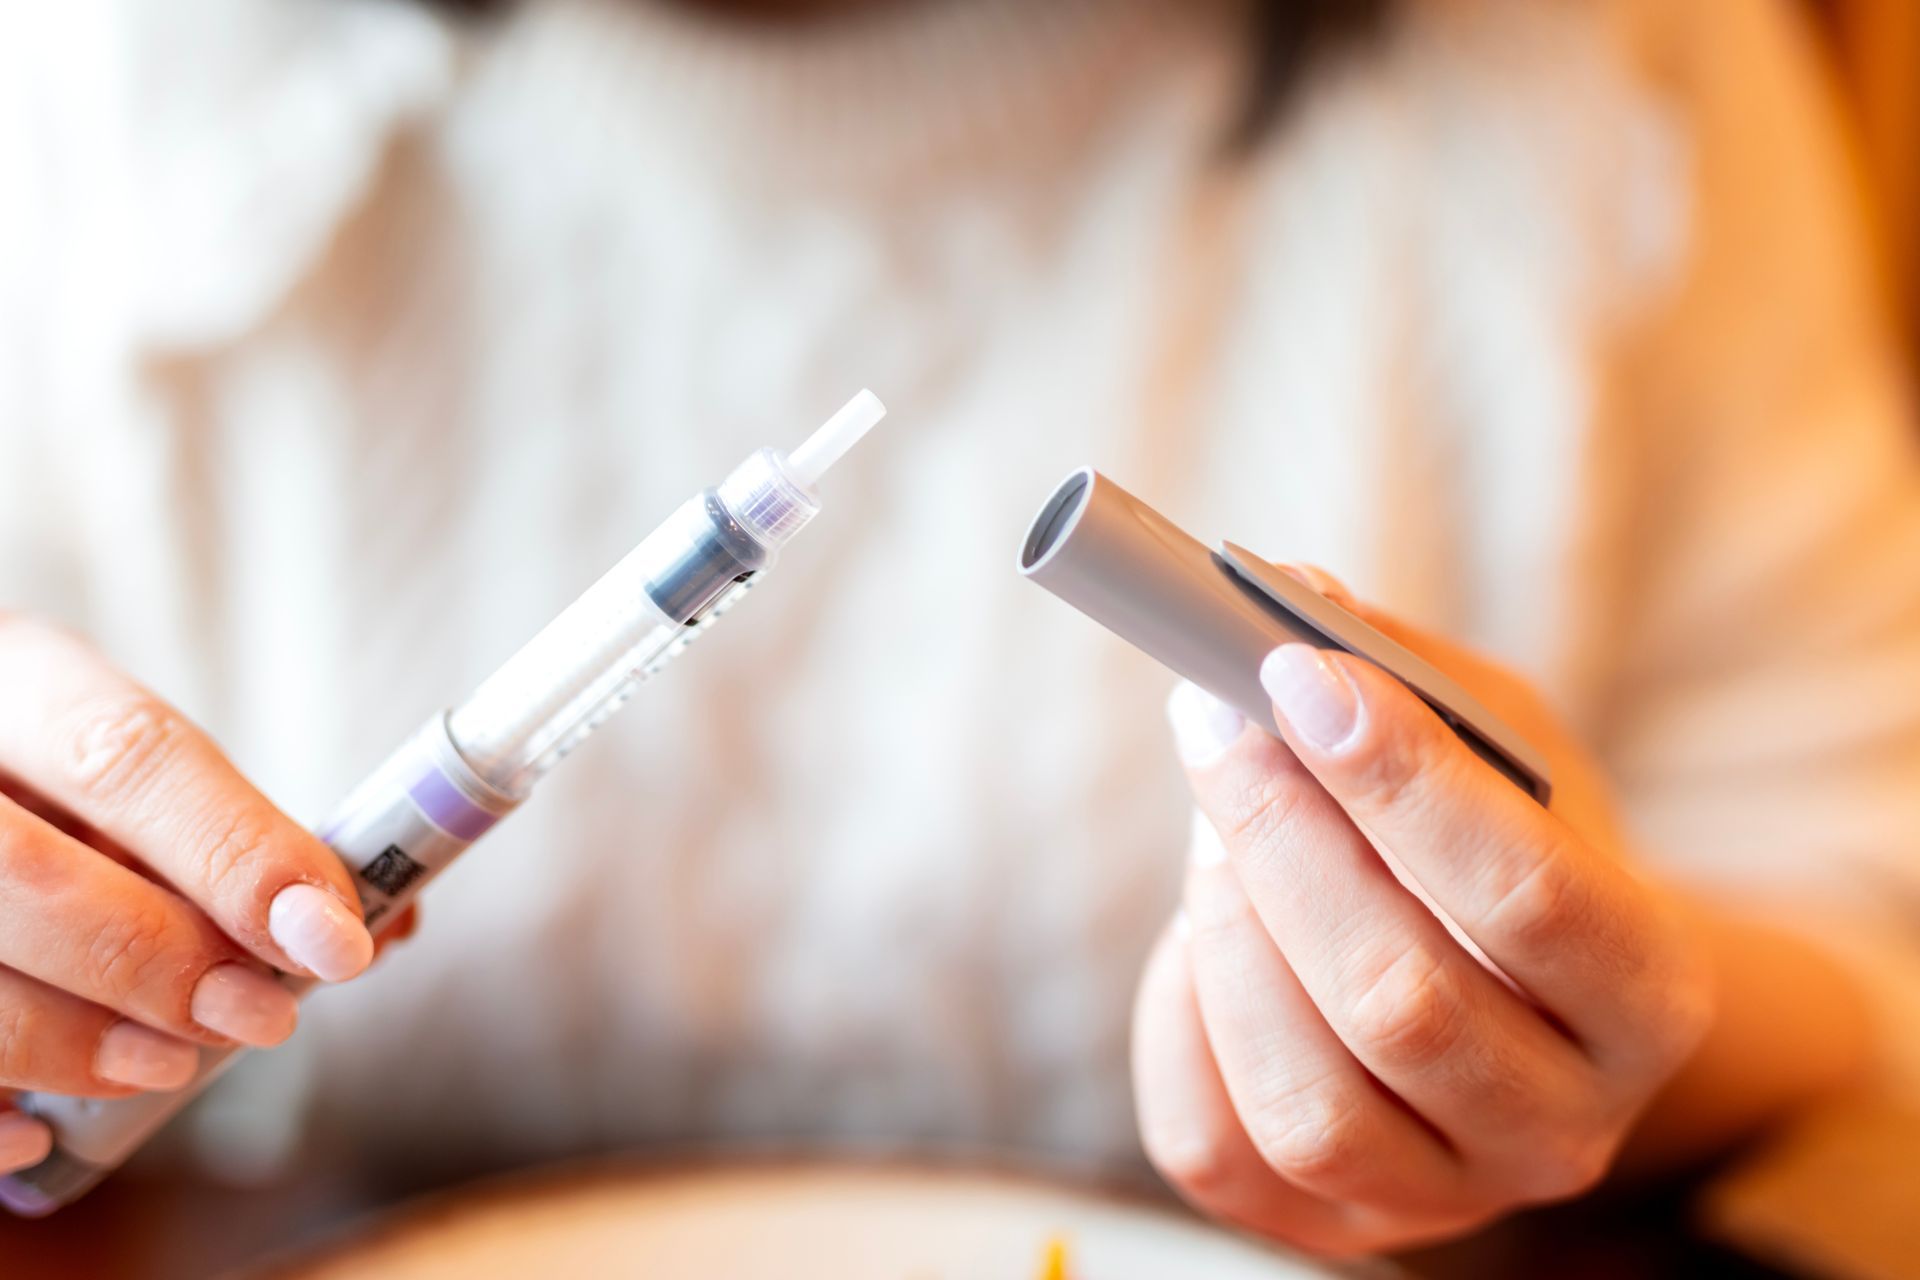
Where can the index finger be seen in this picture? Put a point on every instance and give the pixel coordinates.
(1570, 924)
(93, 741)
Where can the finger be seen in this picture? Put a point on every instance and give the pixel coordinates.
(55, 1042)
(1190, 1130)
(1322, 581)
(1581, 795)
(1311, 1109)
(1579, 791)
(24, 1141)
(1509, 697)
(1570, 924)
(124, 761)
(398, 930)
(404, 925)
(89, 926)
(1466, 1053)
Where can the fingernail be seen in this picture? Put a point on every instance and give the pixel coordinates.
(1312, 694)
(1203, 726)
(317, 931)
(1182, 925)
(244, 1004)
(143, 1058)
(24, 1142)
(1204, 847)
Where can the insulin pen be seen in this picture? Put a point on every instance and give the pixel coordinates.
(469, 767)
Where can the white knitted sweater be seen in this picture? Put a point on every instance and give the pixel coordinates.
(339, 347)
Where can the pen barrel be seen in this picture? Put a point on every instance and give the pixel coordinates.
(1213, 615)
(412, 816)
(524, 717)
(397, 830)
(1136, 573)
(466, 769)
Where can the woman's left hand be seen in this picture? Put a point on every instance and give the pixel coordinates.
(1317, 1055)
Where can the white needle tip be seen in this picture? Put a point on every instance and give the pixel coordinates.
(837, 435)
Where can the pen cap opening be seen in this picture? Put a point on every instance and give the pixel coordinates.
(1129, 568)
(1056, 519)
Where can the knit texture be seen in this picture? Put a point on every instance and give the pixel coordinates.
(339, 348)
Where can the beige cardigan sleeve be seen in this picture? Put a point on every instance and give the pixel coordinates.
(1765, 725)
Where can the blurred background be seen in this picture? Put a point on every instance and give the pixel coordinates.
(1874, 46)
(1831, 1199)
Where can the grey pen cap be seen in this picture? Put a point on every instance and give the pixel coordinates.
(1136, 573)
(1213, 616)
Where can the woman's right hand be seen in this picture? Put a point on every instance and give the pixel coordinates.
(147, 891)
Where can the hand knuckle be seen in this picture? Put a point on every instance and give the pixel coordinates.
(1540, 907)
(1568, 1167)
(1221, 934)
(1410, 1010)
(1388, 765)
(1197, 1162)
(1668, 993)
(1314, 1135)
(1264, 816)
(114, 744)
(131, 954)
(1686, 1006)
(21, 1035)
(229, 850)
(34, 863)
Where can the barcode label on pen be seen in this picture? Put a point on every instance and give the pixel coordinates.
(392, 871)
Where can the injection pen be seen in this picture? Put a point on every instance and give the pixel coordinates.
(469, 767)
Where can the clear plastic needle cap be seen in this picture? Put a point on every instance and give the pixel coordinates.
(771, 494)
(836, 435)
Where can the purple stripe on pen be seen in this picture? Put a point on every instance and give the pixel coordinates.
(25, 1199)
(447, 807)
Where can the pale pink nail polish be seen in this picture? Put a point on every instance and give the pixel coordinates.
(1203, 726)
(244, 1004)
(142, 1058)
(1311, 694)
(24, 1141)
(319, 933)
